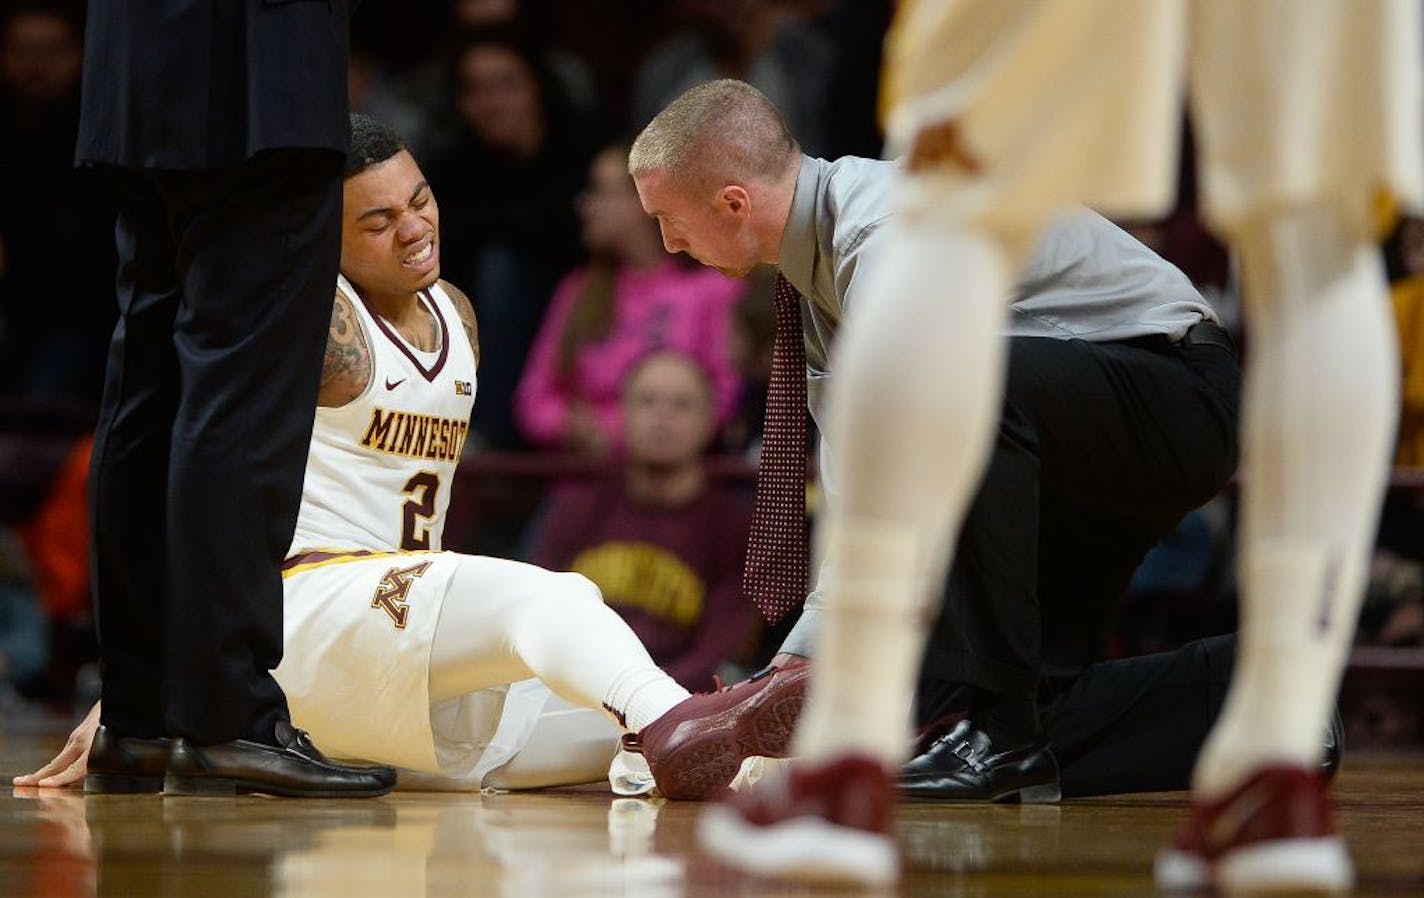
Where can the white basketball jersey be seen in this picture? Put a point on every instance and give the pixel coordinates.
(380, 468)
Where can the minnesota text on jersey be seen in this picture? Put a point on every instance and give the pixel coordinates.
(416, 436)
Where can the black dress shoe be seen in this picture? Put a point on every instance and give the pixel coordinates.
(965, 765)
(293, 768)
(126, 764)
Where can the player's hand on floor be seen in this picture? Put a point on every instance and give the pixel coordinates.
(68, 767)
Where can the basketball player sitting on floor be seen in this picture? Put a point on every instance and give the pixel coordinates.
(404, 654)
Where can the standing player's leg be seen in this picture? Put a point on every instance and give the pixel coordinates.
(1319, 412)
(911, 451)
(1320, 403)
(916, 391)
(1318, 415)
(910, 417)
(912, 413)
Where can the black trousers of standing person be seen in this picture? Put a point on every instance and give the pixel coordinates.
(225, 289)
(1102, 449)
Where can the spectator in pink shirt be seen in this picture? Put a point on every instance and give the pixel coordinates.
(630, 299)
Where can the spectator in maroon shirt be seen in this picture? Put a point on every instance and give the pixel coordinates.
(664, 544)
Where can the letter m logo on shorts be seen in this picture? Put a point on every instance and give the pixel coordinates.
(391, 593)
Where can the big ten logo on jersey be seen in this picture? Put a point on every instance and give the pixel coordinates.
(464, 388)
(393, 589)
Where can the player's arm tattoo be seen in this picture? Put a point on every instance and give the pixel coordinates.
(346, 368)
(467, 315)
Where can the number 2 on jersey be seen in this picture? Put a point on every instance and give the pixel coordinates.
(419, 510)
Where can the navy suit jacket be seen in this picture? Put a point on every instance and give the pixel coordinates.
(204, 84)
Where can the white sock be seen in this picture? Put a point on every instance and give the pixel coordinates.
(871, 640)
(642, 694)
(910, 417)
(1320, 405)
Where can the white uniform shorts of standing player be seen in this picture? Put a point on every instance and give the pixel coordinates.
(1006, 110)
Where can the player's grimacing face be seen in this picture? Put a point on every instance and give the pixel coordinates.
(703, 227)
(390, 228)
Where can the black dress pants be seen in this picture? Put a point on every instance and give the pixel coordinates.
(1137, 724)
(1125, 725)
(225, 289)
(1102, 449)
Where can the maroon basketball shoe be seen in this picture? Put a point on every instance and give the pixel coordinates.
(828, 822)
(696, 749)
(1273, 833)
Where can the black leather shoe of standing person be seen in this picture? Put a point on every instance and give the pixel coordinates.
(293, 768)
(965, 765)
(126, 764)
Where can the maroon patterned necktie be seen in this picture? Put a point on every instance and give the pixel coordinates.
(775, 575)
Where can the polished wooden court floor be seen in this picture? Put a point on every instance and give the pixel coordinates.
(583, 842)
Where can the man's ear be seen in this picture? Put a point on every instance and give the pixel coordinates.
(735, 199)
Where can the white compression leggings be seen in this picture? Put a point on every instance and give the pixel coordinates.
(1321, 399)
(910, 416)
(504, 621)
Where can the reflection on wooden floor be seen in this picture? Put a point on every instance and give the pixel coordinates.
(585, 843)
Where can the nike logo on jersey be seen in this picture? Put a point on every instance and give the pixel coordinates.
(391, 386)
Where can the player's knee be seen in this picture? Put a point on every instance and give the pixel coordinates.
(1318, 243)
(560, 596)
(578, 588)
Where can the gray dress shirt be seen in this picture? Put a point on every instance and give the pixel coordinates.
(1085, 278)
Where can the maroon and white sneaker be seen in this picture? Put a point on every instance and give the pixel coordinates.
(828, 822)
(696, 749)
(1275, 832)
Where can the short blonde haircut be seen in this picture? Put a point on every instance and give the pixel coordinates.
(717, 133)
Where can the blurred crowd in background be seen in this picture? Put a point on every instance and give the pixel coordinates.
(620, 391)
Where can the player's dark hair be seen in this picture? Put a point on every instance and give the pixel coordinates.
(372, 143)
